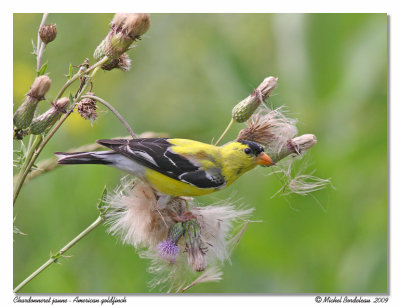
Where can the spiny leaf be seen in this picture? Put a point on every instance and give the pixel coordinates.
(16, 230)
(34, 48)
(19, 156)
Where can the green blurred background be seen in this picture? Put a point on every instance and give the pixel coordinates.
(188, 72)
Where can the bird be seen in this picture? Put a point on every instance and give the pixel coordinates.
(174, 166)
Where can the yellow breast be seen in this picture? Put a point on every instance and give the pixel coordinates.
(174, 187)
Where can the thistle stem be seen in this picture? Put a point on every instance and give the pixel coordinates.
(226, 131)
(25, 165)
(35, 147)
(118, 115)
(40, 55)
(78, 75)
(39, 46)
(61, 252)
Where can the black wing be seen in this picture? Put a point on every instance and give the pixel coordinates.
(155, 154)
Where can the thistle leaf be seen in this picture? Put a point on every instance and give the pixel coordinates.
(71, 72)
(42, 69)
(102, 205)
(17, 231)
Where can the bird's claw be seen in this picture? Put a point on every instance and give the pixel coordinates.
(186, 216)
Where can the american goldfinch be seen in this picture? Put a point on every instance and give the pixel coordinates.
(176, 167)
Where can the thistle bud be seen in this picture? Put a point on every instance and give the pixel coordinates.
(244, 109)
(176, 232)
(196, 252)
(40, 87)
(48, 33)
(46, 120)
(87, 108)
(124, 30)
(24, 114)
(123, 63)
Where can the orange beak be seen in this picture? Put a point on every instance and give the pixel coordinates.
(264, 160)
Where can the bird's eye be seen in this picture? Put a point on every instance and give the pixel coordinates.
(247, 150)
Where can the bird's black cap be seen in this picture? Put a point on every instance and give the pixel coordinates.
(255, 147)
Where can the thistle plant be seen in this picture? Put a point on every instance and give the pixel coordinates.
(186, 243)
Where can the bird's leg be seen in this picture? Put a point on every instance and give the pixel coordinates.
(163, 200)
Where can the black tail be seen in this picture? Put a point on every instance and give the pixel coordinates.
(77, 158)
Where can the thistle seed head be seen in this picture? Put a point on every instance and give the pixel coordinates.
(125, 29)
(272, 129)
(87, 108)
(133, 25)
(48, 33)
(123, 63)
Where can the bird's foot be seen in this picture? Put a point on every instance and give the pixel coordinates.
(186, 216)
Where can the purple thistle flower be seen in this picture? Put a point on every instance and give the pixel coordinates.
(168, 250)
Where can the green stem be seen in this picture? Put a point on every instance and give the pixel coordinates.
(226, 131)
(118, 115)
(61, 252)
(26, 166)
(36, 153)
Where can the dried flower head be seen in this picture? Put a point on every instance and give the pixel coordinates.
(135, 217)
(48, 33)
(25, 112)
(271, 129)
(124, 30)
(46, 120)
(123, 63)
(244, 109)
(87, 108)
